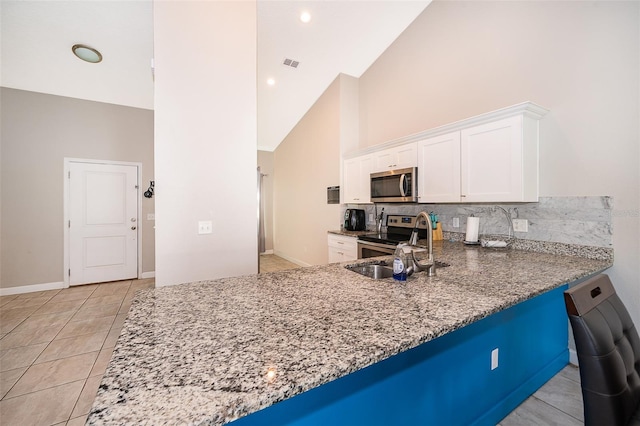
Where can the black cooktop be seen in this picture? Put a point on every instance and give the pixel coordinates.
(386, 237)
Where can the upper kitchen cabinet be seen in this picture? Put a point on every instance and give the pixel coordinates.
(492, 157)
(355, 183)
(499, 161)
(488, 158)
(397, 157)
(439, 169)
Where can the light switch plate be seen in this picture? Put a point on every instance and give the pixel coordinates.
(205, 227)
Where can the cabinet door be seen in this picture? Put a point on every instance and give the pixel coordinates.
(492, 161)
(356, 174)
(364, 195)
(439, 169)
(398, 157)
(407, 155)
(351, 180)
(335, 255)
(384, 160)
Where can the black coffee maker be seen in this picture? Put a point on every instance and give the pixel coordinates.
(354, 220)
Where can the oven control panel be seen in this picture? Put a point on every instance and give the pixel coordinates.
(404, 221)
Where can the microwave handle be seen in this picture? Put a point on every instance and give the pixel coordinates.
(403, 185)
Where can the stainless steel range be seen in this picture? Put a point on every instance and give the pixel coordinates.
(383, 244)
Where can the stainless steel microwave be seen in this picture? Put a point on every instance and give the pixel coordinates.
(395, 186)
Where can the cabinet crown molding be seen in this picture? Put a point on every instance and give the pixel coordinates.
(528, 109)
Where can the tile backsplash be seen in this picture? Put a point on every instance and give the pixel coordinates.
(583, 221)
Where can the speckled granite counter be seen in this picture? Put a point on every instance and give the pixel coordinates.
(210, 352)
(351, 233)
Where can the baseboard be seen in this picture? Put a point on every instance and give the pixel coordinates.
(573, 357)
(511, 401)
(150, 274)
(267, 252)
(31, 288)
(291, 259)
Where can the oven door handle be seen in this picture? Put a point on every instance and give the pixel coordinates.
(379, 245)
(403, 185)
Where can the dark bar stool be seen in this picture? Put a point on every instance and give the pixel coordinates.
(608, 353)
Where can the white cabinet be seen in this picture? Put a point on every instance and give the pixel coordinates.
(398, 157)
(439, 169)
(491, 162)
(342, 248)
(356, 174)
(491, 157)
(499, 161)
(356, 171)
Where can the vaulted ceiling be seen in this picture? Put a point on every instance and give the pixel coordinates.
(343, 36)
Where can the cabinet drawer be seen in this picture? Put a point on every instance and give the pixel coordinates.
(342, 241)
(342, 248)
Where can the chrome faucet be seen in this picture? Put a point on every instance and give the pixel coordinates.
(430, 266)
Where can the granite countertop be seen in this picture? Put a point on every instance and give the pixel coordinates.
(346, 233)
(211, 352)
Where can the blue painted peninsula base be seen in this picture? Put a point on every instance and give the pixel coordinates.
(447, 381)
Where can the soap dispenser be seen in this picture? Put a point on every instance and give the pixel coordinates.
(400, 263)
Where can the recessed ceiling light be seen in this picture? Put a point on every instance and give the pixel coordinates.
(305, 17)
(271, 82)
(87, 53)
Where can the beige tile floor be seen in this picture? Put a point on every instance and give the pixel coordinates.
(55, 347)
(272, 263)
(558, 402)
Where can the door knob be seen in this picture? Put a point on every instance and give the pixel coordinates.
(133, 219)
(133, 228)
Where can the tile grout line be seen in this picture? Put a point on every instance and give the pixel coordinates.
(102, 346)
(4, 397)
(31, 314)
(62, 328)
(84, 385)
(75, 311)
(34, 363)
(98, 356)
(558, 408)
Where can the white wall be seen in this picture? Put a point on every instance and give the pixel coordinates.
(581, 60)
(306, 163)
(205, 139)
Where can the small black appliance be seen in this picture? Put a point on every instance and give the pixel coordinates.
(354, 220)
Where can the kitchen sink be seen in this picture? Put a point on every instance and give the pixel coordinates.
(380, 271)
(377, 272)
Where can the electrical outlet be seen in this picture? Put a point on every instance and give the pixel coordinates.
(494, 359)
(520, 225)
(456, 222)
(205, 227)
(370, 217)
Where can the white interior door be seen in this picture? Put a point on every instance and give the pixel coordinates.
(103, 222)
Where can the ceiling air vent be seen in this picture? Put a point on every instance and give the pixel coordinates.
(291, 63)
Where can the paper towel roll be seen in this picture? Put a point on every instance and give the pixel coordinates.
(473, 224)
